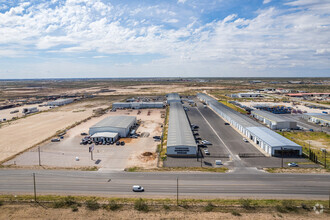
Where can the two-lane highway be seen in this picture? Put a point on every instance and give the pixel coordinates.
(163, 184)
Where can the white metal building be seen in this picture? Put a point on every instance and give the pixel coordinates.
(116, 124)
(137, 105)
(266, 139)
(180, 139)
(274, 121)
(60, 102)
(105, 136)
(318, 118)
(173, 97)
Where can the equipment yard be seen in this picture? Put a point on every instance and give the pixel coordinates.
(63, 154)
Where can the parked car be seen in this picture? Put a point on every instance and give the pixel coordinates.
(226, 123)
(245, 140)
(108, 143)
(83, 134)
(292, 164)
(61, 137)
(122, 143)
(137, 188)
(218, 162)
(118, 143)
(56, 140)
(205, 142)
(206, 151)
(111, 142)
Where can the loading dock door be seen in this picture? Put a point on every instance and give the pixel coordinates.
(287, 153)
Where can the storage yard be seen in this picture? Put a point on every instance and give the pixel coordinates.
(136, 151)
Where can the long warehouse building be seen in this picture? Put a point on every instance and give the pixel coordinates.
(60, 102)
(121, 124)
(318, 118)
(173, 97)
(271, 142)
(137, 105)
(180, 139)
(273, 121)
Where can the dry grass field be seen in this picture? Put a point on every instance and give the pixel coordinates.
(24, 133)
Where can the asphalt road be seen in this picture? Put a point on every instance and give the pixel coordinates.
(163, 184)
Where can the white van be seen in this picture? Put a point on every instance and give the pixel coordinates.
(137, 188)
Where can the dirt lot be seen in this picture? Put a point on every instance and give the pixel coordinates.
(106, 157)
(5, 113)
(39, 212)
(26, 132)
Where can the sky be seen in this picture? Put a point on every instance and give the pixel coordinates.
(164, 38)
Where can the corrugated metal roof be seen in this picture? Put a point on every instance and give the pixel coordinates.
(320, 116)
(270, 116)
(179, 130)
(121, 121)
(105, 134)
(173, 97)
(270, 137)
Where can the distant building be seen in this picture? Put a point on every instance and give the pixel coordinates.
(300, 95)
(318, 118)
(274, 121)
(137, 105)
(30, 110)
(173, 97)
(60, 102)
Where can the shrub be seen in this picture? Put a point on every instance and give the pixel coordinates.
(113, 206)
(280, 209)
(209, 207)
(166, 207)
(140, 205)
(246, 204)
(66, 202)
(235, 213)
(288, 205)
(74, 208)
(1, 203)
(92, 204)
(304, 206)
(184, 204)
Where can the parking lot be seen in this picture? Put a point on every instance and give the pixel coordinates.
(226, 141)
(109, 157)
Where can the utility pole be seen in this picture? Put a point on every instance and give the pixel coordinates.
(282, 156)
(177, 191)
(39, 155)
(34, 187)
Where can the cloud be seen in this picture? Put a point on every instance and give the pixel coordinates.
(274, 38)
(266, 1)
(181, 1)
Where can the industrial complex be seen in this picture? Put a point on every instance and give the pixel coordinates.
(269, 141)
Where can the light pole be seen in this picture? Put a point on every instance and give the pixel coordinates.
(325, 156)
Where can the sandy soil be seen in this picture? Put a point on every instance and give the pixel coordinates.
(26, 132)
(38, 212)
(106, 157)
(318, 144)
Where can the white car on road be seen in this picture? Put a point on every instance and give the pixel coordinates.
(205, 142)
(137, 188)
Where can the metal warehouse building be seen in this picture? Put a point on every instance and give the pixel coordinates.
(173, 97)
(180, 139)
(137, 105)
(273, 121)
(318, 118)
(271, 142)
(114, 124)
(60, 102)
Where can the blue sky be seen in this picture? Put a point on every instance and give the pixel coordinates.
(150, 38)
